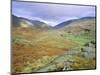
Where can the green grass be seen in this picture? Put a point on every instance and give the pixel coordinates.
(80, 39)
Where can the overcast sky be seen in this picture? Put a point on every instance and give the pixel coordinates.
(51, 14)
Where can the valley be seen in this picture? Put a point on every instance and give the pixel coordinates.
(42, 48)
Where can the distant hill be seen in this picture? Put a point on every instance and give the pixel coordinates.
(72, 21)
(15, 21)
(24, 22)
(80, 26)
(87, 18)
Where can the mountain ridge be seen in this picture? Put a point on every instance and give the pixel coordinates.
(24, 22)
(65, 23)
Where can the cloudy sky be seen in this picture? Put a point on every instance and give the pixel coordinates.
(51, 14)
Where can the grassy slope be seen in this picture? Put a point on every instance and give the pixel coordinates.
(33, 49)
(48, 43)
(74, 58)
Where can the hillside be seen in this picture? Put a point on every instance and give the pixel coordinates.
(80, 27)
(24, 22)
(37, 49)
(73, 21)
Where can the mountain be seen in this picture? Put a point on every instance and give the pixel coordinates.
(36, 49)
(34, 23)
(72, 21)
(24, 22)
(87, 18)
(15, 21)
(85, 25)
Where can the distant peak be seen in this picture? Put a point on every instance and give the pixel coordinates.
(73, 20)
(89, 17)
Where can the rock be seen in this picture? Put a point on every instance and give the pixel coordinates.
(88, 52)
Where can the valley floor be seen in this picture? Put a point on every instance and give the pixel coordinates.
(52, 50)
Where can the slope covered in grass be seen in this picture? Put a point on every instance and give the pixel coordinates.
(29, 47)
(36, 50)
